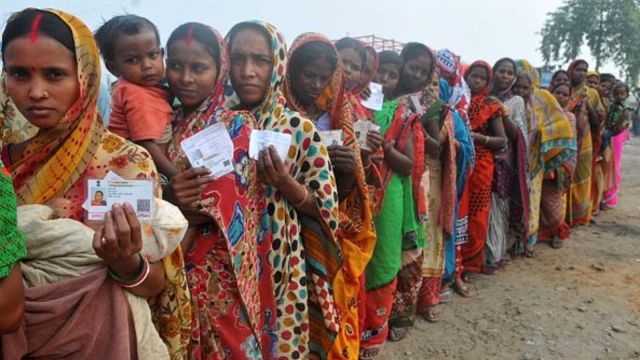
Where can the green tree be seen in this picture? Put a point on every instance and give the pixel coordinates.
(609, 28)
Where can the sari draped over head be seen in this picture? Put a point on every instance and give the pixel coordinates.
(464, 163)
(451, 71)
(554, 198)
(594, 107)
(595, 112)
(355, 234)
(305, 256)
(482, 110)
(580, 198)
(54, 169)
(551, 143)
(464, 166)
(509, 198)
(233, 302)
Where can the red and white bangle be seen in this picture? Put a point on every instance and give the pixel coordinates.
(139, 278)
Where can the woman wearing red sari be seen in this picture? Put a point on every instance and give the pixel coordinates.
(229, 278)
(486, 117)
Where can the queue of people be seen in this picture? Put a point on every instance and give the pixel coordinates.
(326, 250)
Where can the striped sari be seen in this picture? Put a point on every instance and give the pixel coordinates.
(553, 206)
(551, 144)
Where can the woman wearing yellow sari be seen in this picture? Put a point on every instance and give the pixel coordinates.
(588, 105)
(551, 143)
(52, 71)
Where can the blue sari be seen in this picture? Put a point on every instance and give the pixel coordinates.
(464, 160)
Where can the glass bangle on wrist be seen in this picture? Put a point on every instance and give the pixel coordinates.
(304, 199)
(141, 274)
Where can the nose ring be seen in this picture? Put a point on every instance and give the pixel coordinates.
(45, 94)
(191, 80)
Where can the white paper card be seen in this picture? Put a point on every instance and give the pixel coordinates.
(262, 139)
(415, 104)
(211, 148)
(375, 100)
(112, 176)
(331, 137)
(103, 194)
(362, 128)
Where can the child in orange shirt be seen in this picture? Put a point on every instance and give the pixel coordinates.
(140, 105)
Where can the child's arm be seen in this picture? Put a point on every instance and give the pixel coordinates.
(164, 165)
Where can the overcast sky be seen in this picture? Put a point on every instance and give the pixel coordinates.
(475, 29)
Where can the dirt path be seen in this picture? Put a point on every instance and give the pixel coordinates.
(579, 302)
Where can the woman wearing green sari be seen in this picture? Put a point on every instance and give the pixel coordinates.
(395, 216)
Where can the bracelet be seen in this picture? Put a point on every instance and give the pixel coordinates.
(141, 274)
(486, 140)
(145, 275)
(304, 199)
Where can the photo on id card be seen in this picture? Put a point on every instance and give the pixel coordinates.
(103, 194)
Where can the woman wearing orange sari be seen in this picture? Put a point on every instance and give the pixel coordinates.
(314, 87)
(486, 116)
